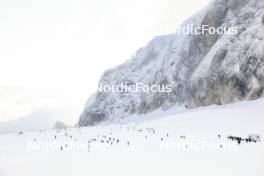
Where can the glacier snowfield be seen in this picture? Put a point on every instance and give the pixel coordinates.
(184, 143)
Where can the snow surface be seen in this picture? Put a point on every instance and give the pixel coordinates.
(141, 149)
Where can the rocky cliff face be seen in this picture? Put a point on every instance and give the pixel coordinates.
(202, 69)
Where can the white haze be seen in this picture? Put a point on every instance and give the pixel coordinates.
(53, 52)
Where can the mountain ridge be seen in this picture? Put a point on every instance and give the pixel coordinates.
(202, 69)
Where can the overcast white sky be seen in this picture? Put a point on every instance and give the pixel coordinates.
(53, 52)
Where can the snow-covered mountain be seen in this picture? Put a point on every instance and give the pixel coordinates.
(202, 69)
(37, 120)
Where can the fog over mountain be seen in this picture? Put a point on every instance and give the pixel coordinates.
(202, 69)
(37, 120)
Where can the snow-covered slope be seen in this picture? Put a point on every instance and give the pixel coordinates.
(37, 120)
(186, 144)
(201, 69)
